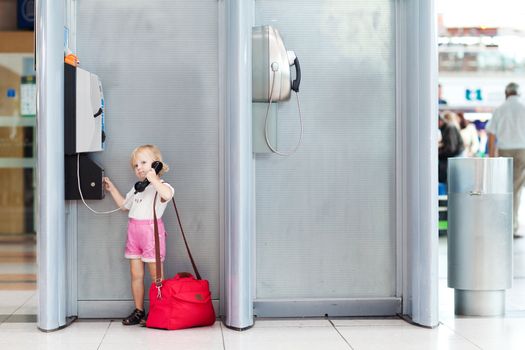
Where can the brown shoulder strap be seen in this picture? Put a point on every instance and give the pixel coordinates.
(158, 268)
(197, 274)
(158, 280)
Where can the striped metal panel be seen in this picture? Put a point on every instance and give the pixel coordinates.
(157, 61)
(326, 215)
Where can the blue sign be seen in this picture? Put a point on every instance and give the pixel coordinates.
(473, 95)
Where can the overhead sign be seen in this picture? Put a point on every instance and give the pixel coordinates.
(473, 95)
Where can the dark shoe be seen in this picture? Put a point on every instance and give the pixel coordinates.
(135, 318)
(143, 321)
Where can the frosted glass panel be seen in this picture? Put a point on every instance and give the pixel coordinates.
(325, 216)
(157, 61)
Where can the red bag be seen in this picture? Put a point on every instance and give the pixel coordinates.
(183, 301)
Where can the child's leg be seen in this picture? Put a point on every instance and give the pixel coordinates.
(153, 269)
(137, 282)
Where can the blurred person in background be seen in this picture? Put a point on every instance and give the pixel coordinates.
(483, 138)
(469, 134)
(451, 144)
(506, 138)
(441, 100)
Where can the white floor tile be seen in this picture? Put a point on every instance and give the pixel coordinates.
(27, 310)
(77, 333)
(136, 337)
(52, 345)
(508, 332)
(405, 337)
(284, 338)
(7, 310)
(15, 298)
(30, 307)
(11, 301)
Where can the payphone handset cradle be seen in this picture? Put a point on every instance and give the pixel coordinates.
(271, 75)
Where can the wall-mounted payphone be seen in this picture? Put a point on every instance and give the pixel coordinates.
(271, 66)
(84, 111)
(83, 133)
(271, 82)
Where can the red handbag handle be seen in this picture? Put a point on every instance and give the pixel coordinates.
(158, 280)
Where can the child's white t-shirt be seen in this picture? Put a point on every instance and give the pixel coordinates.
(140, 205)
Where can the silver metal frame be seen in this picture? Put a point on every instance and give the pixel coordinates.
(238, 168)
(72, 206)
(400, 154)
(72, 258)
(222, 64)
(417, 152)
(51, 245)
(332, 307)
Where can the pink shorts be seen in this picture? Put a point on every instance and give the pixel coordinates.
(141, 240)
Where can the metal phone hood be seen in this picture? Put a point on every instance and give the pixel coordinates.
(271, 65)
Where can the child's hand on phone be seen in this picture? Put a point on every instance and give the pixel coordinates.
(108, 185)
(151, 175)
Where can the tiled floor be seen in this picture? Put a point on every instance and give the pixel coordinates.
(18, 327)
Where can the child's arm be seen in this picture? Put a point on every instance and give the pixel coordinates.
(163, 190)
(112, 189)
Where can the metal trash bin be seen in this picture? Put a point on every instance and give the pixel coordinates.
(480, 234)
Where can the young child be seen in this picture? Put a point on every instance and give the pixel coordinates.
(140, 244)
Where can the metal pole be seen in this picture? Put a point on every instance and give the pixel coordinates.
(420, 75)
(51, 249)
(238, 166)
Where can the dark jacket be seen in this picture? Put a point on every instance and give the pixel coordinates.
(451, 146)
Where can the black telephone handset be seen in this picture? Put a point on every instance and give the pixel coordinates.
(141, 185)
(297, 81)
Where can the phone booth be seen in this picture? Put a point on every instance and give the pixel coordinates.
(287, 214)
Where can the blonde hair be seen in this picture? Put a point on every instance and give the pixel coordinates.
(155, 154)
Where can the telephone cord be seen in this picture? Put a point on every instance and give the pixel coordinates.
(82, 196)
(274, 150)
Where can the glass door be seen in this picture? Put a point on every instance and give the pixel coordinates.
(17, 147)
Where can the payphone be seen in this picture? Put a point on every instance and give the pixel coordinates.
(271, 82)
(83, 133)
